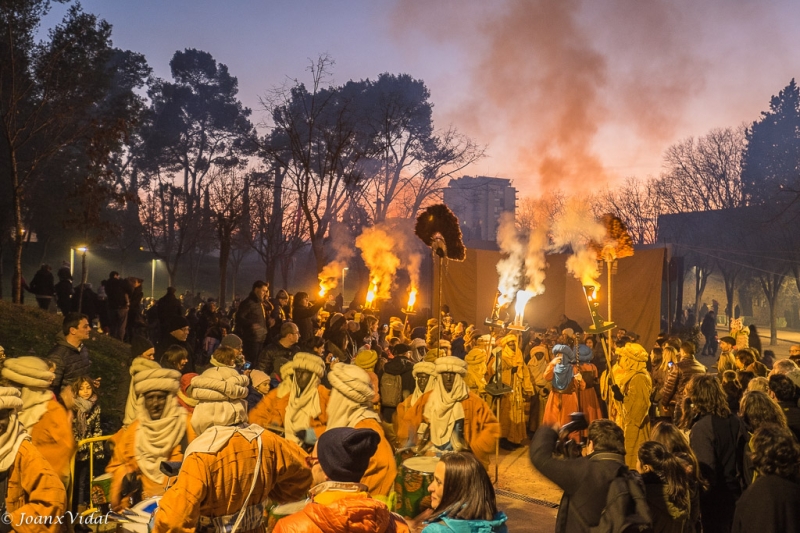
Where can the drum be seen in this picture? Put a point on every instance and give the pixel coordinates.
(413, 496)
(101, 490)
(276, 512)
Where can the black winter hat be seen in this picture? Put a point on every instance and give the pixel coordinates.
(418, 333)
(139, 345)
(400, 349)
(177, 322)
(344, 453)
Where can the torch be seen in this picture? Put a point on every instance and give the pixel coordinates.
(599, 325)
(409, 310)
(373, 290)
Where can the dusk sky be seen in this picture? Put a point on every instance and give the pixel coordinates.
(563, 92)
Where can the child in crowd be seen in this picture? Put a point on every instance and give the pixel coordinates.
(85, 424)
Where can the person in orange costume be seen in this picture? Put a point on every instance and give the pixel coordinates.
(514, 373)
(566, 382)
(425, 376)
(45, 420)
(338, 501)
(34, 489)
(157, 434)
(230, 470)
(350, 405)
(590, 405)
(271, 410)
(457, 418)
(306, 412)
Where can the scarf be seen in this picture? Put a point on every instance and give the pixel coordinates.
(10, 441)
(537, 367)
(476, 369)
(563, 371)
(632, 360)
(422, 368)
(215, 437)
(301, 409)
(34, 405)
(155, 439)
(344, 412)
(82, 409)
(444, 408)
(137, 365)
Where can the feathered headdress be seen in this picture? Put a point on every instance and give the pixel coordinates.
(438, 228)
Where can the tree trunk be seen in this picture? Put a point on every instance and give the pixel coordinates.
(224, 255)
(700, 281)
(730, 290)
(773, 326)
(16, 280)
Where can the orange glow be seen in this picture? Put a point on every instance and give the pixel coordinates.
(412, 299)
(371, 294)
(322, 290)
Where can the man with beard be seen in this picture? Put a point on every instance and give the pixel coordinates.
(456, 418)
(45, 420)
(350, 405)
(32, 488)
(231, 470)
(158, 434)
(306, 413)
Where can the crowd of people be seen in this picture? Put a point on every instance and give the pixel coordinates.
(299, 414)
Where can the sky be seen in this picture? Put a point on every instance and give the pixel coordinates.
(568, 94)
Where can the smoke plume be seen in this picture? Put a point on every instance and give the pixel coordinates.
(510, 265)
(573, 230)
(341, 242)
(388, 247)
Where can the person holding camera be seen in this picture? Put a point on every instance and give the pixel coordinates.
(584, 480)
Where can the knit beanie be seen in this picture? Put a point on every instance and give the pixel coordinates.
(344, 453)
(139, 345)
(232, 341)
(310, 362)
(28, 371)
(257, 377)
(366, 359)
(353, 382)
(177, 323)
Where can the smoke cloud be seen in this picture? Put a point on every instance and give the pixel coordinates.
(510, 266)
(388, 247)
(573, 230)
(341, 243)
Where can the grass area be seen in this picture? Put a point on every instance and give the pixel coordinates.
(26, 330)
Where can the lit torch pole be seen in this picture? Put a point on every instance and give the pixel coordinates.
(409, 310)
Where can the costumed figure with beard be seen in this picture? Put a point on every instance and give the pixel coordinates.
(231, 470)
(350, 405)
(456, 418)
(537, 365)
(565, 383)
(271, 410)
(590, 405)
(632, 391)
(514, 373)
(45, 420)
(425, 377)
(306, 412)
(158, 434)
(28, 485)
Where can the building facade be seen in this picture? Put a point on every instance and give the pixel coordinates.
(478, 203)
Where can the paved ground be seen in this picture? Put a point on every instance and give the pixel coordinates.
(527, 517)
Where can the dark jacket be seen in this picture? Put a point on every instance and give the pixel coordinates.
(679, 376)
(71, 363)
(274, 356)
(400, 366)
(251, 319)
(770, 505)
(168, 307)
(163, 345)
(304, 318)
(585, 481)
(792, 413)
(43, 283)
(457, 348)
(709, 326)
(666, 517)
(64, 294)
(118, 291)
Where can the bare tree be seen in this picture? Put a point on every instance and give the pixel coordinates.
(532, 210)
(226, 204)
(637, 203)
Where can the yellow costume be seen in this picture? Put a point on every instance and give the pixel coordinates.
(636, 386)
(512, 406)
(476, 370)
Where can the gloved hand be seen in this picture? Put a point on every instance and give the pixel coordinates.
(617, 393)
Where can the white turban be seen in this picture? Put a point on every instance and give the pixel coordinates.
(353, 382)
(157, 379)
(451, 364)
(424, 367)
(28, 371)
(312, 363)
(10, 398)
(221, 391)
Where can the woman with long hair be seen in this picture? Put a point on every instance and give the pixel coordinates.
(669, 358)
(756, 410)
(718, 439)
(462, 497)
(668, 488)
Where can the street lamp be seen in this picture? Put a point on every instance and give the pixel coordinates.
(153, 281)
(83, 250)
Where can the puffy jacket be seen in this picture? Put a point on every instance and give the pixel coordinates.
(359, 514)
(682, 372)
(71, 363)
(448, 525)
(251, 319)
(400, 366)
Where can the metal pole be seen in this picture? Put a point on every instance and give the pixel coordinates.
(153, 281)
(608, 267)
(83, 280)
(71, 261)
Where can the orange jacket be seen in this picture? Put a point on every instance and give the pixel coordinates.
(34, 489)
(52, 436)
(215, 485)
(123, 462)
(382, 469)
(481, 428)
(356, 514)
(271, 410)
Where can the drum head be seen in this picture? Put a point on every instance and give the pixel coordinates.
(421, 464)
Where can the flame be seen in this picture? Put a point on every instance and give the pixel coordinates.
(412, 299)
(322, 290)
(522, 300)
(371, 293)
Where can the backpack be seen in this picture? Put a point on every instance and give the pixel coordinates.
(626, 509)
(391, 389)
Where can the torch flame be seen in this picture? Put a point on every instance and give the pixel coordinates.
(322, 290)
(412, 299)
(371, 293)
(519, 306)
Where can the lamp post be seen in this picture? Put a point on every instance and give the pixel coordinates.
(84, 273)
(153, 280)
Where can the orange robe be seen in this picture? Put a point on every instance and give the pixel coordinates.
(52, 436)
(123, 462)
(342, 514)
(589, 404)
(560, 404)
(382, 469)
(404, 429)
(481, 428)
(270, 411)
(215, 485)
(34, 489)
